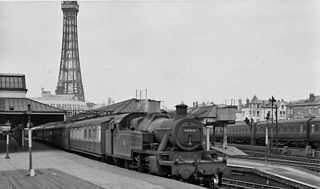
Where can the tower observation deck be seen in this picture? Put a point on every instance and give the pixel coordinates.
(70, 81)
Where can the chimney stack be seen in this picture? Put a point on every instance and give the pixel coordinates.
(240, 104)
(312, 97)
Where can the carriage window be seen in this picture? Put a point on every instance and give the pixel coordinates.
(77, 133)
(85, 133)
(72, 134)
(89, 133)
(312, 128)
(99, 133)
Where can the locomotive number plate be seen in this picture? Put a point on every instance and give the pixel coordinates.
(190, 130)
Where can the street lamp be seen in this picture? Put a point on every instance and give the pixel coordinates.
(31, 170)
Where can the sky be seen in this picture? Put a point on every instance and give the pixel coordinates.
(180, 51)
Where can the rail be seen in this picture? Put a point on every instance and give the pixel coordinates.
(245, 185)
(293, 163)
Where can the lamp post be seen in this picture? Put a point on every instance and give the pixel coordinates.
(31, 170)
(8, 127)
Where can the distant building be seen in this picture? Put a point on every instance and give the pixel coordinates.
(304, 108)
(258, 110)
(65, 102)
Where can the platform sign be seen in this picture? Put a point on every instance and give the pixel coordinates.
(227, 113)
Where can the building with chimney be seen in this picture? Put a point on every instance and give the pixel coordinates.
(259, 109)
(304, 108)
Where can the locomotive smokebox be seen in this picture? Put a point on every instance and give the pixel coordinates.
(181, 110)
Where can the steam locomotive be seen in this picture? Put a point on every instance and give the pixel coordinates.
(152, 143)
(293, 133)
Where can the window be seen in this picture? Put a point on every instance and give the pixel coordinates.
(94, 133)
(312, 128)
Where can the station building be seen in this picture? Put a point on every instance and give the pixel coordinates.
(16, 110)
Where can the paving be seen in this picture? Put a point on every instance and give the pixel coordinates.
(50, 164)
(300, 176)
(45, 178)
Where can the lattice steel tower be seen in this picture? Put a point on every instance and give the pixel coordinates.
(70, 81)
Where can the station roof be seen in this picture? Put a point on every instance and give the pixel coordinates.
(20, 105)
(203, 111)
(128, 106)
(306, 102)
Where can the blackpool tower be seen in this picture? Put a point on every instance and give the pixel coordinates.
(70, 82)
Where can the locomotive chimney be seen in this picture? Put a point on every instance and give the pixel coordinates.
(181, 110)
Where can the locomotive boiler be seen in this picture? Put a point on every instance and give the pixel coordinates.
(183, 133)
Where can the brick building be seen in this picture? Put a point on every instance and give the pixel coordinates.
(304, 108)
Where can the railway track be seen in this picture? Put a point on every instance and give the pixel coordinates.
(309, 166)
(231, 183)
(258, 153)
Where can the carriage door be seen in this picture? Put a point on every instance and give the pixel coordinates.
(109, 138)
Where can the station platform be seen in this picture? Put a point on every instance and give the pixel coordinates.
(297, 177)
(57, 169)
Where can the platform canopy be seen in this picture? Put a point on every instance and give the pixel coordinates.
(15, 110)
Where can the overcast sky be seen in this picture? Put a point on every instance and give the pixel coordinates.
(178, 50)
